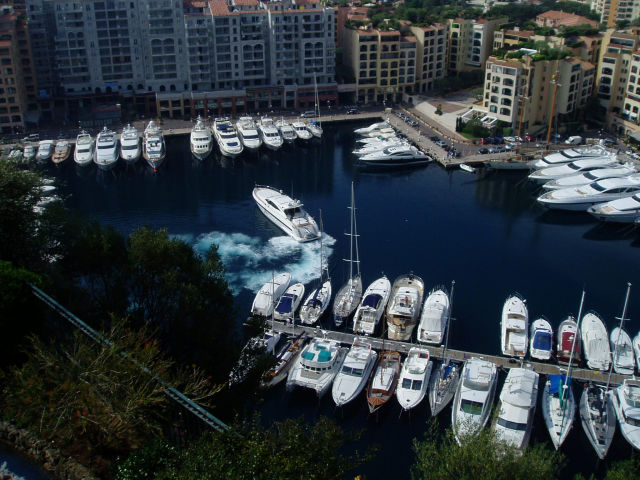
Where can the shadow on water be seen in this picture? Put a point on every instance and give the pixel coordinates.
(561, 217)
(603, 231)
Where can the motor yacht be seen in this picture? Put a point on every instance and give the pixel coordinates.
(395, 156)
(315, 128)
(378, 138)
(384, 132)
(598, 417)
(29, 153)
(317, 365)
(354, 373)
(581, 198)
(316, 303)
(403, 309)
(83, 154)
(595, 342)
(289, 302)
(626, 403)
(267, 297)
(130, 149)
(106, 149)
(433, 320)
(201, 140)
(248, 133)
(558, 408)
(474, 398)
(285, 358)
(517, 407)
(541, 347)
(372, 128)
(636, 349)
(302, 131)
(571, 155)
(154, 150)
(286, 213)
(269, 134)
(572, 168)
(61, 152)
(568, 339)
(414, 378)
(45, 150)
(622, 210)
(589, 177)
(378, 146)
(384, 380)
(286, 131)
(371, 308)
(622, 348)
(515, 327)
(227, 138)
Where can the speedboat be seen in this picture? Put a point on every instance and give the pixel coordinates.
(581, 198)
(61, 152)
(269, 134)
(474, 398)
(541, 346)
(354, 373)
(622, 210)
(45, 150)
(595, 342)
(403, 309)
(83, 154)
(286, 213)
(248, 133)
(626, 402)
(399, 155)
(433, 320)
(29, 153)
(384, 380)
(371, 308)
(153, 149)
(130, 149)
(414, 378)
(302, 131)
(289, 302)
(286, 131)
(590, 177)
(598, 417)
(572, 168)
(201, 140)
(227, 138)
(622, 348)
(285, 358)
(269, 294)
(317, 365)
(106, 149)
(316, 303)
(570, 155)
(514, 327)
(568, 340)
(636, 349)
(517, 407)
(558, 408)
(371, 128)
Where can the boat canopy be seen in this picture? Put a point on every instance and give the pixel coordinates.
(542, 340)
(556, 382)
(286, 302)
(372, 300)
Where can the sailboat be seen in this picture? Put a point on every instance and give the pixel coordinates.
(315, 126)
(444, 379)
(349, 295)
(318, 300)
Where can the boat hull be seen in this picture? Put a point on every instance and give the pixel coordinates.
(442, 388)
(600, 427)
(558, 418)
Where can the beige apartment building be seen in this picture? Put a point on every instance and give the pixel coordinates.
(431, 55)
(471, 42)
(612, 11)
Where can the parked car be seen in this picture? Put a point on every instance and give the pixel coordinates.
(574, 140)
(510, 139)
(308, 114)
(34, 137)
(483, 150)
(353, 111)
(441, 143)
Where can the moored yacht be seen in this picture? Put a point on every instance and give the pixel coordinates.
(286, 213)
(622, 348)
(61, 152)
(514, 327)
(598, 417)
(581, 198)
(394, 156)
(636, 349)
(541, 346)
(558, 408)
(354, 373)
(286, 131)
(106, 149)
(626, 402)
(201, 140)
(371, 308)
(371, 128)
(404, 305)
(595, 342)
(130, 149)
(433, 319)
(567, 332)
(315, 128)
(622, 210)
(289, 302)
(384, 380)
(570, 155)
(269, 294)
(572, 168)
(269, 134)
(45, 150)
(414, 378)
(590, 177)
(302, 131)
(377, 146)
(317, 365)
(227, 138)
(83, 154)
(153, 149)
(248, 133)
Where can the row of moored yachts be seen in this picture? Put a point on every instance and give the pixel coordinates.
(589, 179)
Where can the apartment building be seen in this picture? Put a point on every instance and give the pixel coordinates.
(431, 55)
(470, 42)
(556, 19)
(612, 11)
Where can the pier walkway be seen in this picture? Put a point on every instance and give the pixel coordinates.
(578, 374)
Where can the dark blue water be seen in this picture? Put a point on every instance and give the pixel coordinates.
(485, 231)
(20, 465)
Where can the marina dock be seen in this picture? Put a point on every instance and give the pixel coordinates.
(578, 374)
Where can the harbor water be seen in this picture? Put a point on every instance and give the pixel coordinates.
(485, 231)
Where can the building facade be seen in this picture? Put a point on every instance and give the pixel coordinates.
(470, 42)
(431, 55)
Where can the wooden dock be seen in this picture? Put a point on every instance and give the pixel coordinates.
(578, 374)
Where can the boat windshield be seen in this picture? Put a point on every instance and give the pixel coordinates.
(292, 212)
(250, 136)
(408, 384)
(635, 422)
(511, 425)
(590, 176)
(130, 147)
(596, 186)
(354, 372)
(573, 166)
(470, 407)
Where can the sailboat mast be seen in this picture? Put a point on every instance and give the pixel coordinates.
(615, 350)
(355, 231)
(446, 337)
(351, 236)
(573, 347)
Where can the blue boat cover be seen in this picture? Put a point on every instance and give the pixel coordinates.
(371, 300)
(285, 303)
(556, 382)
(542, 341)
(448, 370)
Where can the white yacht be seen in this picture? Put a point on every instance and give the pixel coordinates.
(595, 342)
(581, 198)
(248, 133)
(289, 302)
(371, 308)
(106, 149)
(433, 320)
(372, 128)
(636, 349)
(567, 341)
(154, 150)
(474, 398)
(558, 408)
(316, 303)
(269, 294)
(45, 150)
(541, 347)
(378, 138)
(571, 155)
(29, 153)
(354, 373)
(269, 134)
(130, 149)
(201, 140)
(514, 327)
(83, 154)
(517, 407)
(572, 168)
(315, 128)
(286, 213)
(383, 132)
(395, 156)
(302, 131)
(590, 177)
(414, 378)
(622, 348)
(227, 138)
(626, 402)
(598, 417)
(286, 131)
(317, 365)
(622, 210)
(404, 305)
(377, 146)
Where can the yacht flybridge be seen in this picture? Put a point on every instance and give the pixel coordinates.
(515, 325)
(227, 137)
(83, 154)
(269, 134)
(248, 133)
(130, 149)
(287, 132)
(201, 140)
(106, 149)
(414, 378)
(302, 131)
(371, 308)
(317, 365)
(404, 306)
(354, 373)
(154, 150)
(433, 320)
